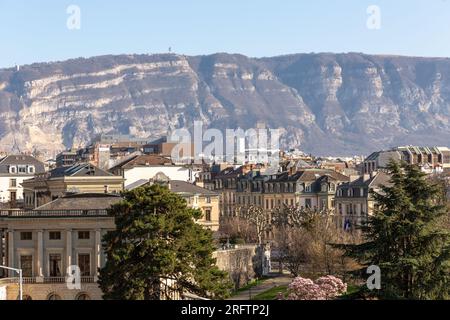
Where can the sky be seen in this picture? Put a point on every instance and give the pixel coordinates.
(49, 30)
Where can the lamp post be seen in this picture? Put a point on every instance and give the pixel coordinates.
(19, 271)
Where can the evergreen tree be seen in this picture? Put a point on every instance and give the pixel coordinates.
(406, 239)
(156, 238)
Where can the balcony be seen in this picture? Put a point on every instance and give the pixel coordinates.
(52, 213)
(45, 280)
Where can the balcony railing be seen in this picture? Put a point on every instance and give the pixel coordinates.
(52, 213)
(33, 280)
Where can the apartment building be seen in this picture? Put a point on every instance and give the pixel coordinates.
(139, 168)
(14, 169)
(59, 182)
(430, 159)
(354, 200)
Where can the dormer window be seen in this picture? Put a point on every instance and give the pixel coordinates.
(12, 169)
(22, 169)
(308, 188)
(31, 169)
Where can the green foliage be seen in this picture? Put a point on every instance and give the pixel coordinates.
(406, 239)
(157, 238)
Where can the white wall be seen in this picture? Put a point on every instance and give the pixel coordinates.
(5, 188)
(173, 172)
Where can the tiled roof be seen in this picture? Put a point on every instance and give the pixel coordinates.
(143, 160)
(186, 187)
(78, 170)
(82, 201)
(20, 160)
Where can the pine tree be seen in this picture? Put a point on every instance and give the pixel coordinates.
(156, 238)
(406, 239)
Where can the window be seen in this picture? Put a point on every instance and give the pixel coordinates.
(22, 169)
(26, 236)
(12, 169)
(84, 235)
(84, 263)
(12, 183)
(308, 188)
(55, 266)
(308, 203)
(208, 199)
(54, 235)
(26, 264)
(53, 296)
(83, 296)
(208, 215)
(30, 169)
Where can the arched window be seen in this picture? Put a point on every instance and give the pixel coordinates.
(82, 296)
(53, 296)
(25, 297)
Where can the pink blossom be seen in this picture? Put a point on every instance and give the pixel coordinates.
(324, 288)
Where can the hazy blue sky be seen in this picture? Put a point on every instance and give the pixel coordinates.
(32, 31)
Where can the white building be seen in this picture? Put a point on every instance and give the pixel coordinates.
(147, 167)
(14, 169)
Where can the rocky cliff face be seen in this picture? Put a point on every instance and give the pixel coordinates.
(340, 104)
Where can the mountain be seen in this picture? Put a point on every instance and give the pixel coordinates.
(327, 104)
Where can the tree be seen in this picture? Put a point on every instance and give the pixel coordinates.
(404, 237)
(156, 239)
(305, 237)
(259, 218)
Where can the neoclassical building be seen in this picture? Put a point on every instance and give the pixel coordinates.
(46, 241)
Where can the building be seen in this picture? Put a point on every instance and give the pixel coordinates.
(46, 241)
(62, 181)
(136, 168)
(430, 159)
(354, 201)
(66, 158)
(14, 169)
(199, 198)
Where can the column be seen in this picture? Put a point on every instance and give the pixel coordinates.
(40, 256)
(10, 262)
(1, 251)
(97, 253)
(68, 248)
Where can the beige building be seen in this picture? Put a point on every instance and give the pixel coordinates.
(205, 200)
(62, 181)
(354, 201)
(46, 241)
(309, 188)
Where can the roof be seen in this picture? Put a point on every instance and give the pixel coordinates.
(310, 175)
(142, 160)
(186, 187)
(79, 170)
(380, 179)
(82, 201)
(20, 160)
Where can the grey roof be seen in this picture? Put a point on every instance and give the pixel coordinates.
(82, 201)
(379, 179)
(79, 170)
(20, 160)
(186, 187)
(137, 184)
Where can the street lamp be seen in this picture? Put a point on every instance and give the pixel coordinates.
(19, 271)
